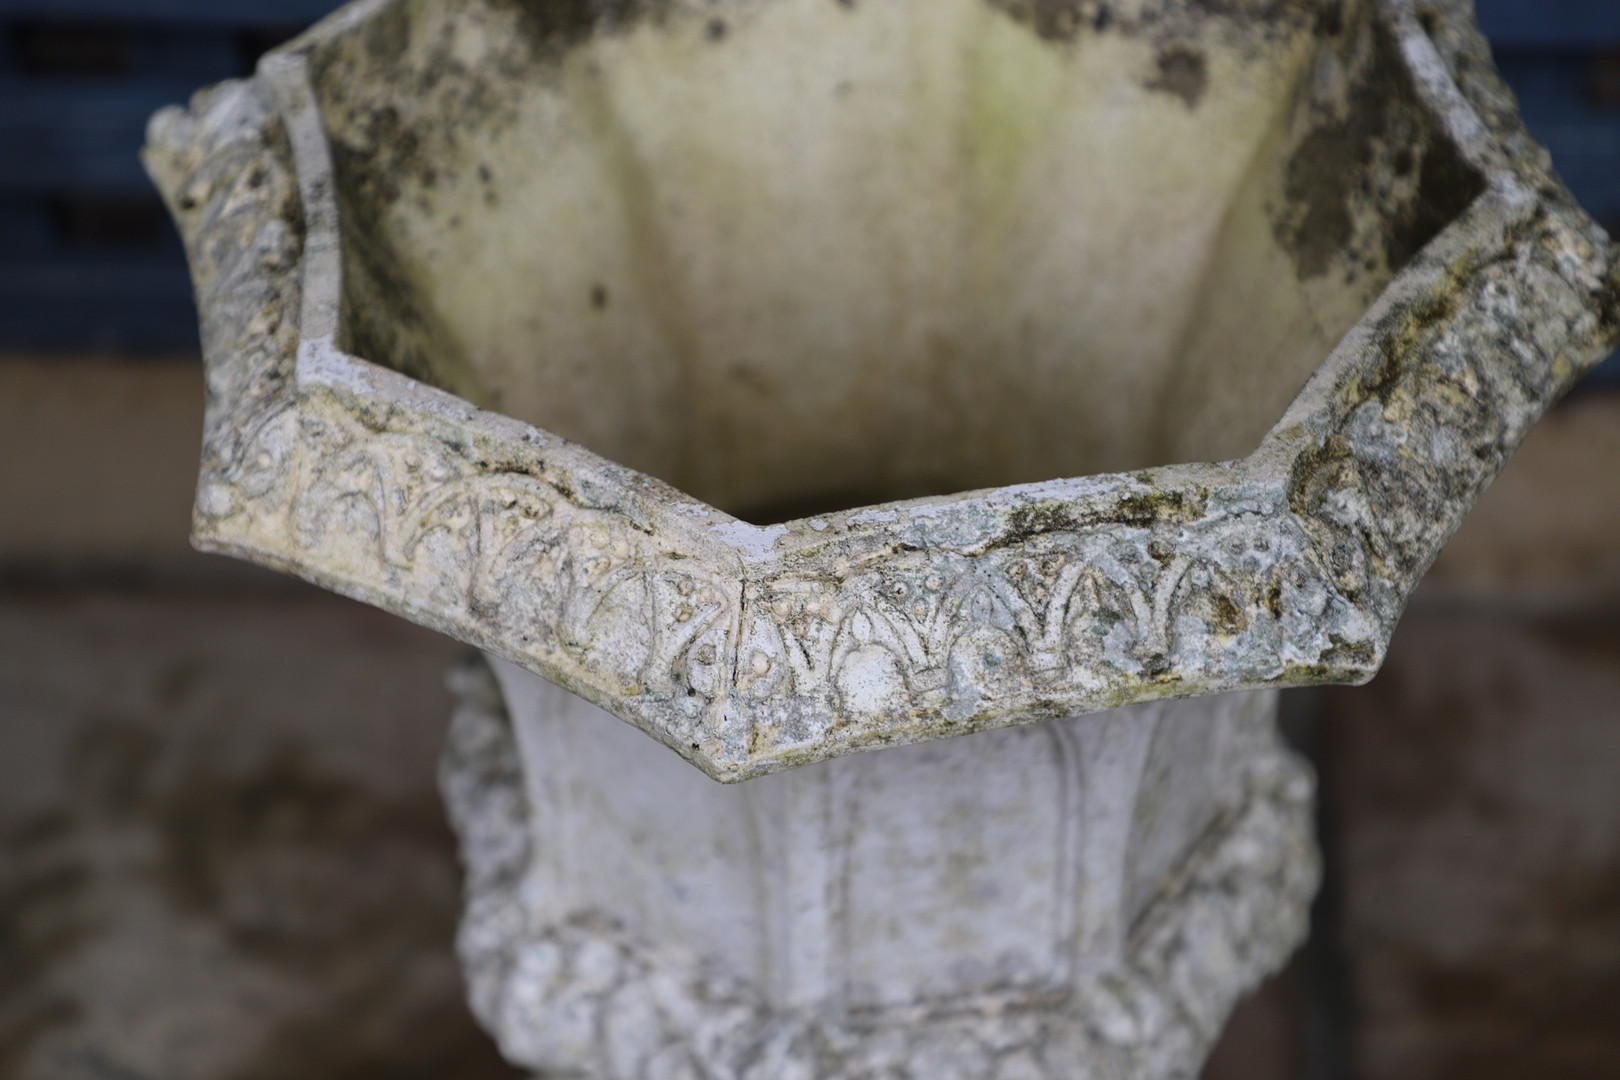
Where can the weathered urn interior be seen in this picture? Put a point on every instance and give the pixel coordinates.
(1052, 356)
(796, 257)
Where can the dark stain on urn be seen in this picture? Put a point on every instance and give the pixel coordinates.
(382, 316)
(1322, 175)
(1229, 618)
(1057, 20)
(1356, 161)
(1446, 185)
(1064, 20)
(407, 48)
(1609, 304)
(1142, 510)
(1330, 19)
(388, 34)
(1183, 72)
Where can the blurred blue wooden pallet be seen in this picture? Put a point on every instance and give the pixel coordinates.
(1576, 26)
(88, 258)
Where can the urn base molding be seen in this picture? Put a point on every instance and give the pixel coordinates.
(578, 987)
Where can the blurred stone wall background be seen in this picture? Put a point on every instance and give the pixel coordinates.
(222, 855)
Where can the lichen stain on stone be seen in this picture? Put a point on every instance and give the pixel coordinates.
(1066, 20)
(387, 35)
(1143, 510)
(1318, 472)
(1324, 170)
(1401, 335)
(538, 36)
(1341, 165)
(1183, 72)
(1330, 19)
(1447, 184)
(1057, 20)
(1608, 304)
(1229, 617)
(42, 924)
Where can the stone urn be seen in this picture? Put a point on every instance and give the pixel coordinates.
(1020, 390)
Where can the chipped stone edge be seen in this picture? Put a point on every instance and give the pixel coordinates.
(585, 993)
(749, 649)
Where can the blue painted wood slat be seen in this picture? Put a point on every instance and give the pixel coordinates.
(206, 13)
(74, 134)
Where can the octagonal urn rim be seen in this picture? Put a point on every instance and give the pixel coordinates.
(747, 648)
